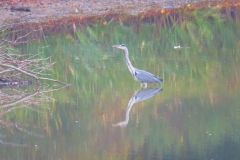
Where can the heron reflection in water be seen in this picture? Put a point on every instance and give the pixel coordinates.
(138, 96)
(139, 75)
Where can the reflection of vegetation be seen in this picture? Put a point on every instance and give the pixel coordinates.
(13, 99)
(191, 113)
(20, 96)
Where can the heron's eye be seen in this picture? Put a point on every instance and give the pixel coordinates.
(123, 45)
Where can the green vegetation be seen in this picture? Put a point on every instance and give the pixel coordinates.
(198, 109)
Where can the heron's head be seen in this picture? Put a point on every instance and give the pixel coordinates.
(120, 124)
(121, 46)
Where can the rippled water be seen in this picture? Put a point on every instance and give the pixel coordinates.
(105, 114)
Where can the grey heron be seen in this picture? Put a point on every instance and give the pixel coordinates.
(139, 75)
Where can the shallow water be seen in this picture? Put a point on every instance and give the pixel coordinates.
(194, 114)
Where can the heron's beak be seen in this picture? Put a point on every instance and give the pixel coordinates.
(116, 46)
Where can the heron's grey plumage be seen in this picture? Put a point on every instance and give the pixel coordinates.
(140, 75)
(146, 77)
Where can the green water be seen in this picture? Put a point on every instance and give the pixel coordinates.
(195, 116)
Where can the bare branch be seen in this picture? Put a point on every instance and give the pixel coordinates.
(20, 70)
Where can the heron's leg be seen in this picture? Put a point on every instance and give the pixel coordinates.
(144, 85)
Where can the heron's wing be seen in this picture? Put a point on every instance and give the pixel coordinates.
(146, 77)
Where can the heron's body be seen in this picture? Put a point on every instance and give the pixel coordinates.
(146, 77)
(139, 75)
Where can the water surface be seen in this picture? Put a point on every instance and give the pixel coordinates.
(194, 114)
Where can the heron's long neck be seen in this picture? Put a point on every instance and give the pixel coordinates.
(129, 64)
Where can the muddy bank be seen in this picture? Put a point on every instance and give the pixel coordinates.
(45, 10)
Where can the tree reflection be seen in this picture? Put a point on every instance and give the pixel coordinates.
(138, 95)
(15, 97)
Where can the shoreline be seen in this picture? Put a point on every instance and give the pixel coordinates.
(47, 10)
